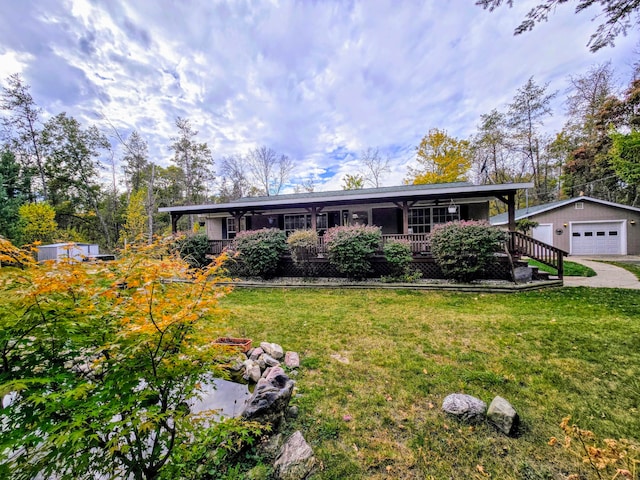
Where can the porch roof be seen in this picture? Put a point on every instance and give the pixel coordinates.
(410, 193)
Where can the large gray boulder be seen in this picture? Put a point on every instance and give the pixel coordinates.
(465, 407)
(503, 416)
(295, 460)
(272, 349)
(270, 398)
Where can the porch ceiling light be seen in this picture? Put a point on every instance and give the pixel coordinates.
(452, 208)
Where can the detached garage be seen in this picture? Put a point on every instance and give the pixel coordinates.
(584, 226)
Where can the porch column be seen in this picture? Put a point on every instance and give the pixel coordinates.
(314, 220)
(511, 208)
(405, 218)
(237, 216)
(174, 221)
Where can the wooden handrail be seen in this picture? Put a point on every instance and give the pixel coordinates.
(522, 244)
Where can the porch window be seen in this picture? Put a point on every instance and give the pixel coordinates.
(231, 227)
(422, 220)
(442, 215)
(303, 222)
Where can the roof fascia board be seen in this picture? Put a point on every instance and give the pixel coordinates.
(356, 198)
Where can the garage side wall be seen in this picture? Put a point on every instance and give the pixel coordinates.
(591, 212)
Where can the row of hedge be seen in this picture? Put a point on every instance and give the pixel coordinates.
(462, 250)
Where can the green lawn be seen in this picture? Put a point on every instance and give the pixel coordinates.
(571, 269)
(550, 353)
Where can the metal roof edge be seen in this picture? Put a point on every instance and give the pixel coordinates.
(431, 191)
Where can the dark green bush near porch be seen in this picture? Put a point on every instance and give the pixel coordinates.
(398, 255)
(463, 250)
(258, 252)
(350, 248)
(193, 249)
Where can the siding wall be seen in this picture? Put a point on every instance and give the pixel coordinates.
(592, 212)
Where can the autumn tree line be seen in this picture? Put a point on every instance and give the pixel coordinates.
(64, 181)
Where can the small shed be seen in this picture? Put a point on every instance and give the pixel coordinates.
(76, 251)
(584, 226)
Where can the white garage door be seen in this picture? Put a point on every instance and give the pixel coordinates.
(596, 238)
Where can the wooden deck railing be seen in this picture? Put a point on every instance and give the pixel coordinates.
(518, 244)
(217, 246)
(521, 244)
(419, 241)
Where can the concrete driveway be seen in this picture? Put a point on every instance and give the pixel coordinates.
(609, 276)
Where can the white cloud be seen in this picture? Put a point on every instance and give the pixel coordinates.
(319, 81)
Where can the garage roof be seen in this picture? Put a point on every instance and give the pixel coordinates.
(501, 219)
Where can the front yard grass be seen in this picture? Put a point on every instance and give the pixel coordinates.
(571, 269)
(376, 365)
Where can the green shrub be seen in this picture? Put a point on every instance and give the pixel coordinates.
(259, 251)
(193, 249)
(303, 245)
(525, 225)
(463, 250)
(399, 257)
(350, 248)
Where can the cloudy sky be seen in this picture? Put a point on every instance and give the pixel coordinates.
(317, 80)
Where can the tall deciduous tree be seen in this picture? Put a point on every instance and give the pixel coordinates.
(195, 161)
(72, 167)
(24, 125)
(592, 109)
(619, 17)
(492, 150)
(527, 112)
(626, 161)
(136, 225)
(38, 222)
(441, 159)
(135, 161)
(235, 182)
(268, 170)
(374, 166)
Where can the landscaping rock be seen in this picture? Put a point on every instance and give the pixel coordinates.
(251, 371)
(269, 360)
(503, 416)
(292, 360)
(522, 274)
(272, 349)
(295, 461)
(467, 408)
(255, 353)
(270, 398)
(293, 411)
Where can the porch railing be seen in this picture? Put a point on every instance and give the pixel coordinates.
(521, 244)
(216, 247)
(419, 243)
(518, 244)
